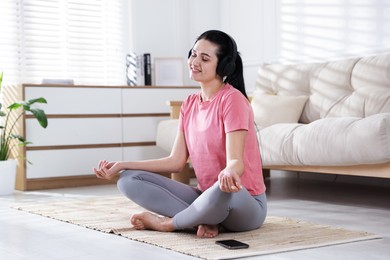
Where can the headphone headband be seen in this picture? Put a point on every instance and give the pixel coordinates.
(234, 48)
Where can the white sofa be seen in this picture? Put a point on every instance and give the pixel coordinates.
(331, 117)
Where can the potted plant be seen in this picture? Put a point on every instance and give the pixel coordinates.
(9, 117)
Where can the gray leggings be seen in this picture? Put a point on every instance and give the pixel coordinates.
(189, 207)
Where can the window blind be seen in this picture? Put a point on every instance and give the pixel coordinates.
(69, 39)
(10, 40)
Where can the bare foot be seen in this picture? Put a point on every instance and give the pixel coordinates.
(207, 231)
(148, 220)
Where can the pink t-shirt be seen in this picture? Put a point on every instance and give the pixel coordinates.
(205, 125)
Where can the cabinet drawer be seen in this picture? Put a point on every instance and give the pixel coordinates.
(136, 153)
(69, 100)
(60, 163)
(153, 100)
(73, 131)
(140, 129)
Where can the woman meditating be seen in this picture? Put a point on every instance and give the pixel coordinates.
(216, 130)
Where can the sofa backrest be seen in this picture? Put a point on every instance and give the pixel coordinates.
(356, 87)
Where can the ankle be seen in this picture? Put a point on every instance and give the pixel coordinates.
(167, 224)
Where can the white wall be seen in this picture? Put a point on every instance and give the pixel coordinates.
(245, 23)
(169, 28)
(331, 29)
(266, 31)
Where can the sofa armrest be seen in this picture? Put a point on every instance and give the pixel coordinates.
(175, 108)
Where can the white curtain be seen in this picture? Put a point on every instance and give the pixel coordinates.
(84, 41)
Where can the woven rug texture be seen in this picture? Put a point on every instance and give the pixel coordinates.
(112, 214)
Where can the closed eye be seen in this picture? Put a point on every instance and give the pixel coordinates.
(205, 56)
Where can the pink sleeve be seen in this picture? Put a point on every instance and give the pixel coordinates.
(182, 113)
(181, 126)
(236, 112)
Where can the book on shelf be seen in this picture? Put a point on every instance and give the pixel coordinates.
(140, 70)
(148, 69)
(131, 69)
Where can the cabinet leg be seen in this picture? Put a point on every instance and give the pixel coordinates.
(266, 173)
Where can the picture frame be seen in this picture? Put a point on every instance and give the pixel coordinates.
(169, 71)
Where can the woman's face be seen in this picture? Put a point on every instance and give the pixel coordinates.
(203, 61)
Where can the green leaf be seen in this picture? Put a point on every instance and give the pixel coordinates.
(40, 115)
(19, 137)
(1, 79)
(3, 152)
(15, 105)
(37, 100)
(24, 143)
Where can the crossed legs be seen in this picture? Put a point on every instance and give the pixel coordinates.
(181, 206)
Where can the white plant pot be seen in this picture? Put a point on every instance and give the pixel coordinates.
(7, 177)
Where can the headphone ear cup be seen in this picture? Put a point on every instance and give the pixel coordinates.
(230, 68)
(226, 67)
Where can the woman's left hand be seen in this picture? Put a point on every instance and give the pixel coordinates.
(229, 181)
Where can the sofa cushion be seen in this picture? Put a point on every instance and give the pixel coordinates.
(331, 85)
(328, 142)
(273, 109)
(282, 79)
(355, 87)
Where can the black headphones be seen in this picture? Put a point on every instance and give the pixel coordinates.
(227, 65)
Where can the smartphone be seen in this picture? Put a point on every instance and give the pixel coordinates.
(232, 244)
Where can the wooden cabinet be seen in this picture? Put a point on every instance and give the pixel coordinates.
(87, 124)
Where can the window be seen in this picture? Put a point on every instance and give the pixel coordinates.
(63, 39)
(10, 40)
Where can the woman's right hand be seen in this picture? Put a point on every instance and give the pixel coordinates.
(107, 170)
(229, 181)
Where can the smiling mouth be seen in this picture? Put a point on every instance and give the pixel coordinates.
(195, 70)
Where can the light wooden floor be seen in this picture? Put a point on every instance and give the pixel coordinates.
(354, 206)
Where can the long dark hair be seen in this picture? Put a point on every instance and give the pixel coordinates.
(227, 53)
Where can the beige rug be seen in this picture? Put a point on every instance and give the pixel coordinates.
(111, 215)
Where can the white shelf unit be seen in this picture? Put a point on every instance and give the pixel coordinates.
(87, 124)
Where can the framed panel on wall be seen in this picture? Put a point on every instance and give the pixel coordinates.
(169, 71)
